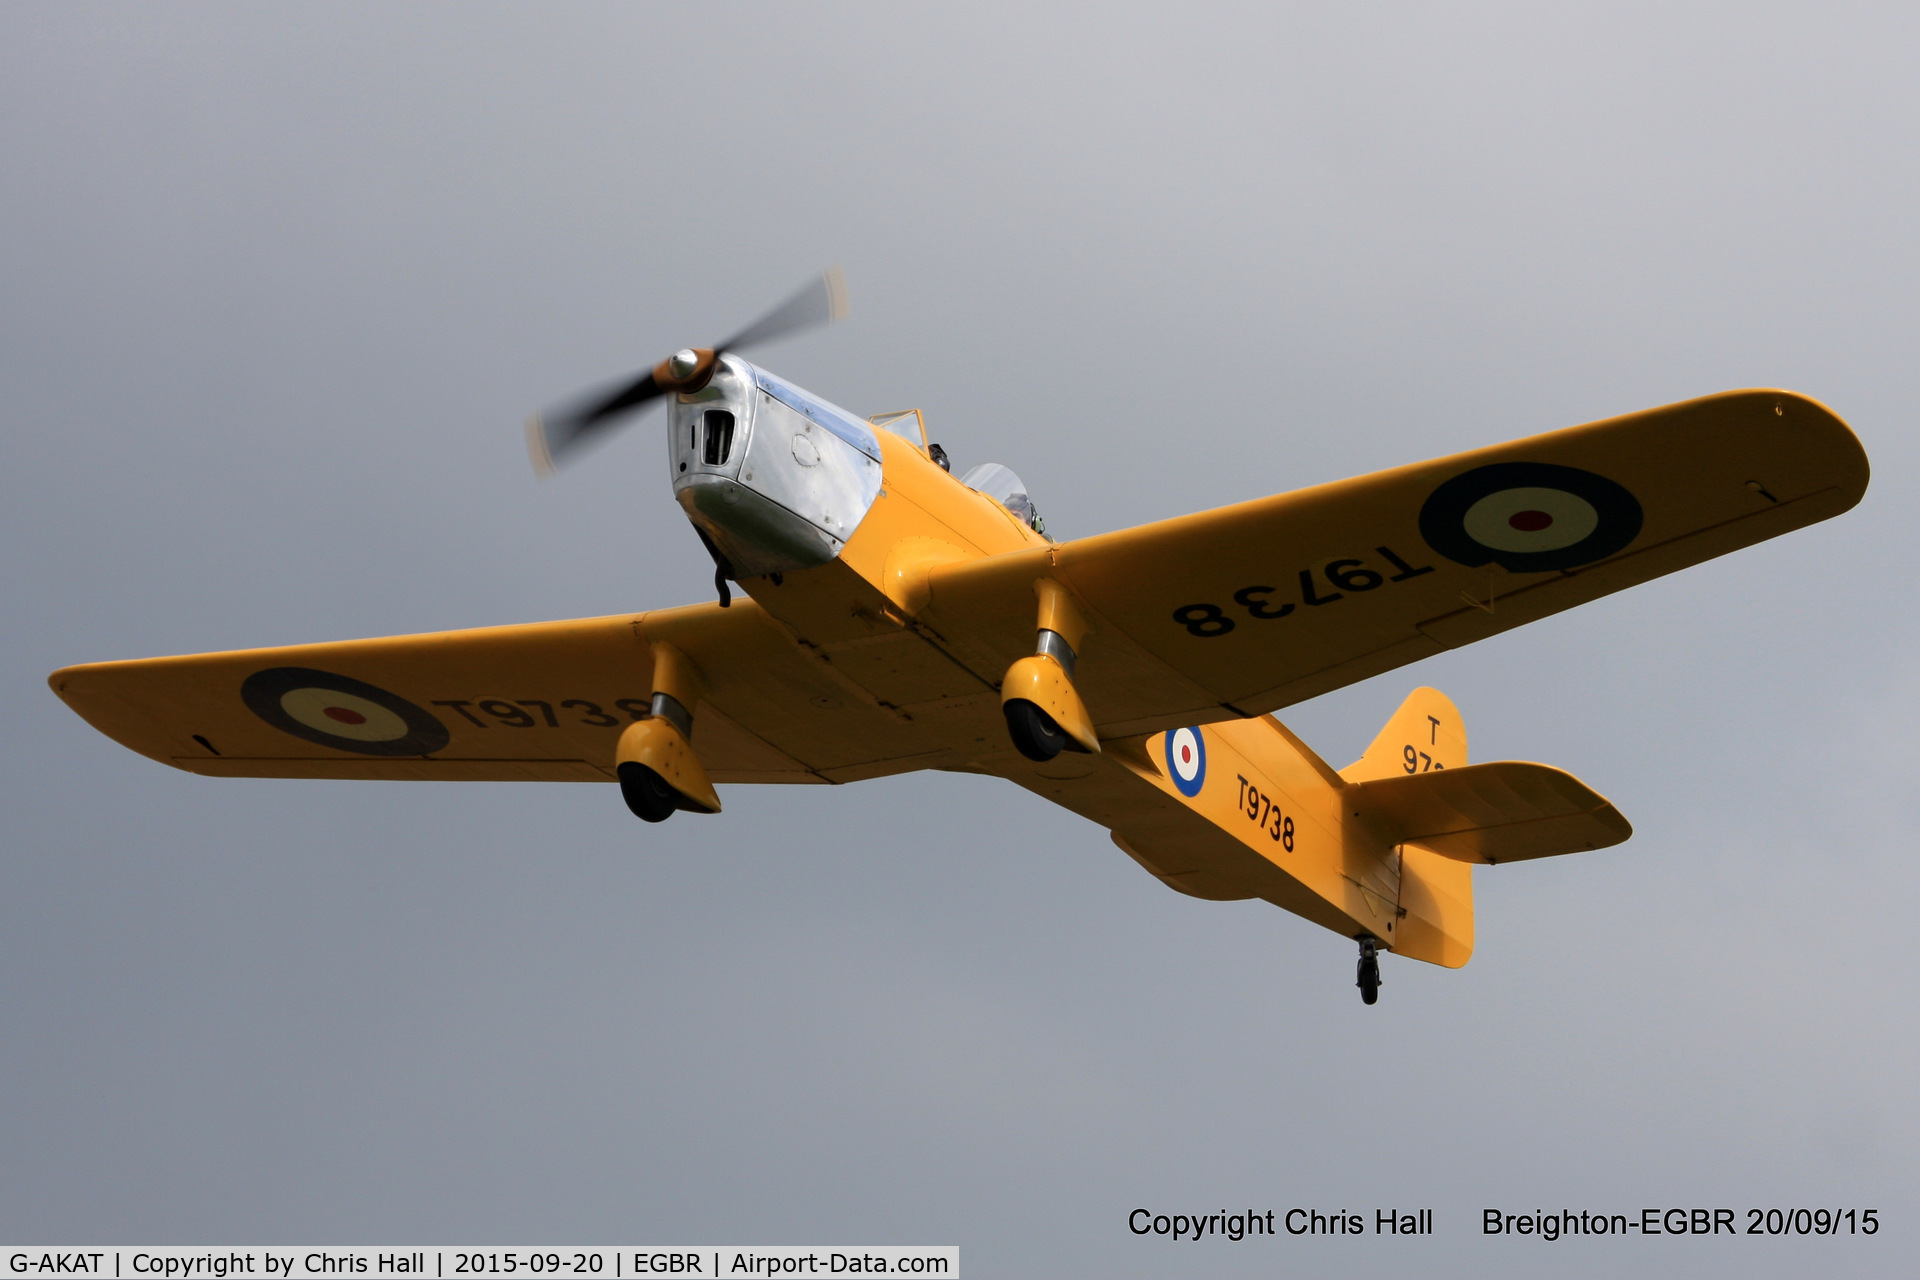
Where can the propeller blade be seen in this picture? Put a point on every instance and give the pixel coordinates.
(551, 436)
(821, 301)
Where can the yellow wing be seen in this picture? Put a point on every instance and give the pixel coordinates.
(1250, 608)
(542, 702)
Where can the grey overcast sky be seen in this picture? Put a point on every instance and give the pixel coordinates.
(278, 283)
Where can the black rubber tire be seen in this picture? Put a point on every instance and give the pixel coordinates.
(1033, 731)
(1369, 981)
(647, 793)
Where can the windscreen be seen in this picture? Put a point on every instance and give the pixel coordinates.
(1009, 490)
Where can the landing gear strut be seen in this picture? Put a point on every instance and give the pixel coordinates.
(1368, 976)
(654, 759)
(1044, 713)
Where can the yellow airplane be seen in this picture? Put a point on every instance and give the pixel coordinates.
(899, 617)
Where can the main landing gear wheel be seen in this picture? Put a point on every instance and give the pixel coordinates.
(647, 793)
(1033, 731)
(1368, 976)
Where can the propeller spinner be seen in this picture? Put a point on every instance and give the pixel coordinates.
(553, 436)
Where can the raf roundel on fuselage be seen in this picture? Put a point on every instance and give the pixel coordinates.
(1187, 761)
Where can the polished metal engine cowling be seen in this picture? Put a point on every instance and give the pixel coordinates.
(778, 479)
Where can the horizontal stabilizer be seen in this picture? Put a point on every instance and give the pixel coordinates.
(1501, 812)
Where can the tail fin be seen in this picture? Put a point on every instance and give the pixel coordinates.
(1425, 734)
(1436, 893)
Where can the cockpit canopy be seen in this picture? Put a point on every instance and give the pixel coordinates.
(1009, 490)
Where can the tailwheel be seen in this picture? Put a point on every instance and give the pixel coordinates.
(647, 793)
(1033, 731)
(1368, 976)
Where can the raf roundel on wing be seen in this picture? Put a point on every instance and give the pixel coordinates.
(339, 711)
(1529, 517)
(1187, 760)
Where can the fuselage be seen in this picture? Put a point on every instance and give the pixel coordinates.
(839, 530)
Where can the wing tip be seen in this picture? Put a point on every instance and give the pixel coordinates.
(1845, 450)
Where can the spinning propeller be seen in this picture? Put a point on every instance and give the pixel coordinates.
(552, 436)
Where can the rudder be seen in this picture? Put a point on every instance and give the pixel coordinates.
(1436, 893)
